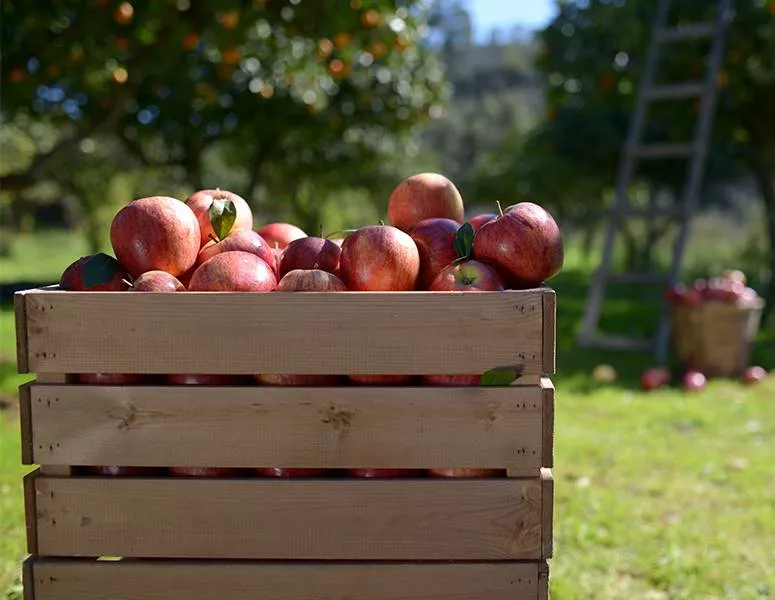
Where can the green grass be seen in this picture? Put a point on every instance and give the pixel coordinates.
(660, 496)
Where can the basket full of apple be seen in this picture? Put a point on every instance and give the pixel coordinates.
(300, 415)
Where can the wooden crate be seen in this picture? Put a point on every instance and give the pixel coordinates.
(295, 539)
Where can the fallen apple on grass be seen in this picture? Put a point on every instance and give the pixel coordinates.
(654, 378)
(753, 375)
(693, 381)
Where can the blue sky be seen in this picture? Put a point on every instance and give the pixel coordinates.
(488, 14)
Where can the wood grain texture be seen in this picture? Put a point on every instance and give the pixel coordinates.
(31, 511)
(350, 332)
(477, 427)
(25, 423)
(550, 331)
(166, 580)
(547, 453)
(495, 519)
(547, 518)
(28, 579)
(20, 320)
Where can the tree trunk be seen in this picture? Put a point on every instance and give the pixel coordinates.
(763, 173)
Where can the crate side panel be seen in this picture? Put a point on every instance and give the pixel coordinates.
(20, 325)
(292, 519)
(165, 580)
(345, 333)
(477, 427)
(547, 388)
(550, 331)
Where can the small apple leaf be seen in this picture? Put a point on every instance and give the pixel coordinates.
(100, 269)
(464, 240)
(223, 214)
(501, 375)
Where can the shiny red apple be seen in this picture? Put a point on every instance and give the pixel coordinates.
(379, 258)
(479, 220)
(157, 281)
(205, 472)
(435, 240)
(654, 378)
(468, 276)
(385, 473)
(382, 379)
(111, 378)
(156, 233)
(279, 235)
(289, 379)
(200, 203)
(205, 379)
(239, 240)
(451, 380)
(111, 275)
(310, 280)
(310, 253)
(693, 381)
(291, 473)
(424, 196)
(524, 244)
(753, 375)
(114, 471)
(233, 272)
(466, 473)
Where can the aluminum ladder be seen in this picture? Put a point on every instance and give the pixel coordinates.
(706, 90)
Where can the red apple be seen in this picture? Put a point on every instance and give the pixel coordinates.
(110, 378)
(200, 203)
(451, 380)
(693, 381)
(465, 473)
(233, 272)
(239, 240)
(435, 240)
(287, 379)
(382, 379)
(156, 233)
(524, 244)
(753, 375)
(379, 258)
(113, 471)
(735, 276)
(310, 253)
(279, 235)
(424, 196)
(337, 241)
(205, 379)
(107, 275)
(653, 378)
(291, 473)
(385, 473)
(468, 276)
(310, 280)
(157, 281)
(205, 472)
(479, 220)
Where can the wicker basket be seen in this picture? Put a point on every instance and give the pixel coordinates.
(714, 338)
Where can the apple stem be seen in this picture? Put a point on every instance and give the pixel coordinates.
(129, 283)
(500, 208)
(316, 266)
(381, 222)
(214, 238)
(320, 229)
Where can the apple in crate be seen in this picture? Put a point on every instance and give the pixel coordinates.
(451, 380)
(753, 375)
(156, 233)
(288, 379)
(424, 196)
(654, 378)
(385, 473)
(524, 244)
(379, 258)
(468, 276)
(111, 378)
(157, 281)
(465, 473)
(96, 273)
(310, 280)
(205, 379)
(233, 272)
(435, 240)
(280, 235)
(239, 240)
(693, 381)
(291, 473)
(205, 472)
(205, 204)
(311, 253)
(479, 220)
(386, 380)
(114, 471)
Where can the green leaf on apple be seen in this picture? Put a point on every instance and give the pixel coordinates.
(223, 214)
(100, 269)
(501, 375)
(464, 240)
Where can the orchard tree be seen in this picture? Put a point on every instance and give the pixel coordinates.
(308, 86)
(592, 58)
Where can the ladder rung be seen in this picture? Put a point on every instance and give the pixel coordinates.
(638, 211)
(687, 32)
(664, 150)
(675, 90)
(643, 277)
(616, 342)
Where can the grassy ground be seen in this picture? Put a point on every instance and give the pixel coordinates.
(658, 496)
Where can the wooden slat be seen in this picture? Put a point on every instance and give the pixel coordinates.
(547, 452)
(350, 333)
(547, 520)
(486, 519)
(477, 427)
(25, 423)
(28, 578)
(20, 318)
(30, 511)
(166, 580)
(543, 581)
(549, 332)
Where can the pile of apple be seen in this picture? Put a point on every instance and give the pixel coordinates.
(730, 288)
(208, 244)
